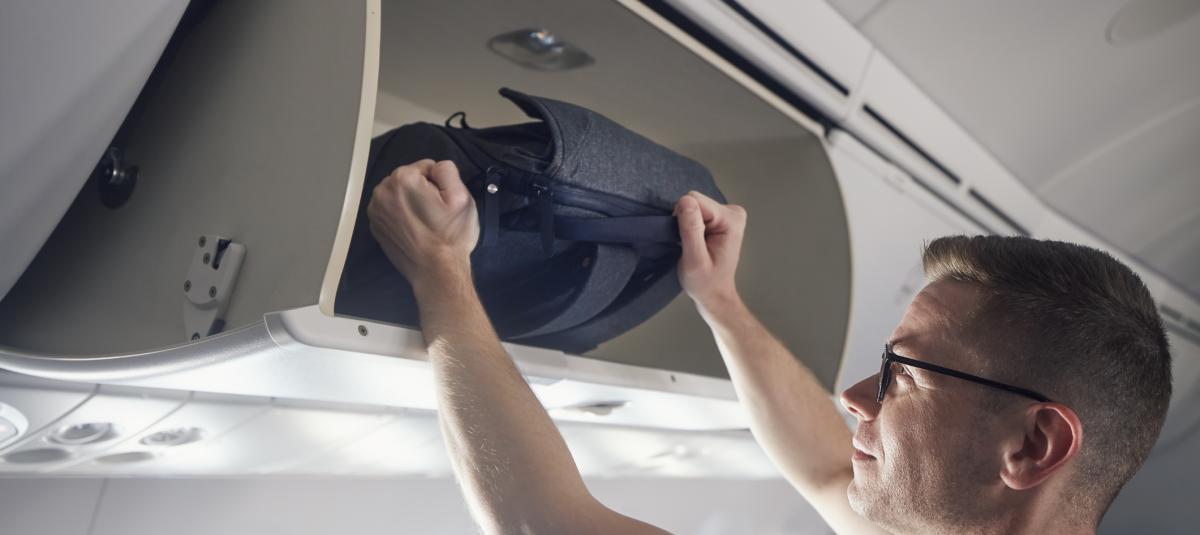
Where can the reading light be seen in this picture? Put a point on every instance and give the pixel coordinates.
(540, 50)
(86, 433)
(174, 437)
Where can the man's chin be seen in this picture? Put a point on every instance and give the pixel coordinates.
(855, 496)
(863, 497)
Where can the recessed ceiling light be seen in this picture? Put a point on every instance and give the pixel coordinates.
(1141, 19)
(86, 433)
(539, 49)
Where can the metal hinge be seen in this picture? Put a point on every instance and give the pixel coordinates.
(209, 285)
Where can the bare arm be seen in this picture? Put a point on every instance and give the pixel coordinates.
(515, 469)
(791, 415)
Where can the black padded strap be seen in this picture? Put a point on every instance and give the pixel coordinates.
(630, 229)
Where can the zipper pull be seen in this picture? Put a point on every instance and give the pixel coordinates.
(489, 230)
(545, 208)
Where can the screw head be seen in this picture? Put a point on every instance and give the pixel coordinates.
(195, 336)
(187, 286)
(362, 330)
(207, 257)
(212, 291)
(202, 241)
(492, 188)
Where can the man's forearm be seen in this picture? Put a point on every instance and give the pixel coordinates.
(504, 447)
(792, 415)
(515, 468)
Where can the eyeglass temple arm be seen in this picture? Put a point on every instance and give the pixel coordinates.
(966, 376)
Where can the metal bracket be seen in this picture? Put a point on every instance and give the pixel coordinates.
(209, 285)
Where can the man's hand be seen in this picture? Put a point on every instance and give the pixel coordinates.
(424, 219)
(712, 241)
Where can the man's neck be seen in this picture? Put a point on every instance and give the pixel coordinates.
(1035, 515)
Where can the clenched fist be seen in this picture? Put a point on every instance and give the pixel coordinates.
(711, 233)
(424, 219)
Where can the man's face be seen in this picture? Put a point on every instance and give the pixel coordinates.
(927, 455)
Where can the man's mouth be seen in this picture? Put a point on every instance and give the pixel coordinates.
(860, 455)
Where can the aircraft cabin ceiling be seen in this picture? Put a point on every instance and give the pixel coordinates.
(1092, 104)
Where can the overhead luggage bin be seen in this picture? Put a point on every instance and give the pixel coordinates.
(253, 152)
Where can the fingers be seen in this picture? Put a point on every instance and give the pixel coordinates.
(444, 175)
(691, 232)
(709, 208)
(424, 167)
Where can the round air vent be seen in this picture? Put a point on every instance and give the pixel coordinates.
(86, 433)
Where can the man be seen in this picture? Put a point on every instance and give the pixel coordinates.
(1023, 387)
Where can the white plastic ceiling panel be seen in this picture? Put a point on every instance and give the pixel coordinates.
(279, 438)
(37, 405)
(1037, 82)
(1142, 193)
(90, 429)
(410, 444)
(205, 417)
(1092, 104)
(856, 11)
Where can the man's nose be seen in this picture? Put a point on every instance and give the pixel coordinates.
(860, 399)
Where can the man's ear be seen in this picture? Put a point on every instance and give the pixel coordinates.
(1053, 436)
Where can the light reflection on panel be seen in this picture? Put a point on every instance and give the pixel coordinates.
(410, 445)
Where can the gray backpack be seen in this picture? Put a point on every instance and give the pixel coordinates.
(577, 242)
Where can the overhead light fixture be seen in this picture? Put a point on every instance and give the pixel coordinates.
(1142, 19)
(86, 433)
(539, 49)
(12, 423)
(174, 437)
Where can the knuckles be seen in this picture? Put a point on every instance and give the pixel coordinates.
(737, 211)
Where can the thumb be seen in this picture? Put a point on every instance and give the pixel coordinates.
(691, 232)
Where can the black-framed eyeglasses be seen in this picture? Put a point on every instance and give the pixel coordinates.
(885, 376)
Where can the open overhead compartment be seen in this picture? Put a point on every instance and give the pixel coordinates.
(252, 153)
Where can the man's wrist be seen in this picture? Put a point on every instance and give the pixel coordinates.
(718, 307)
(441, 280)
